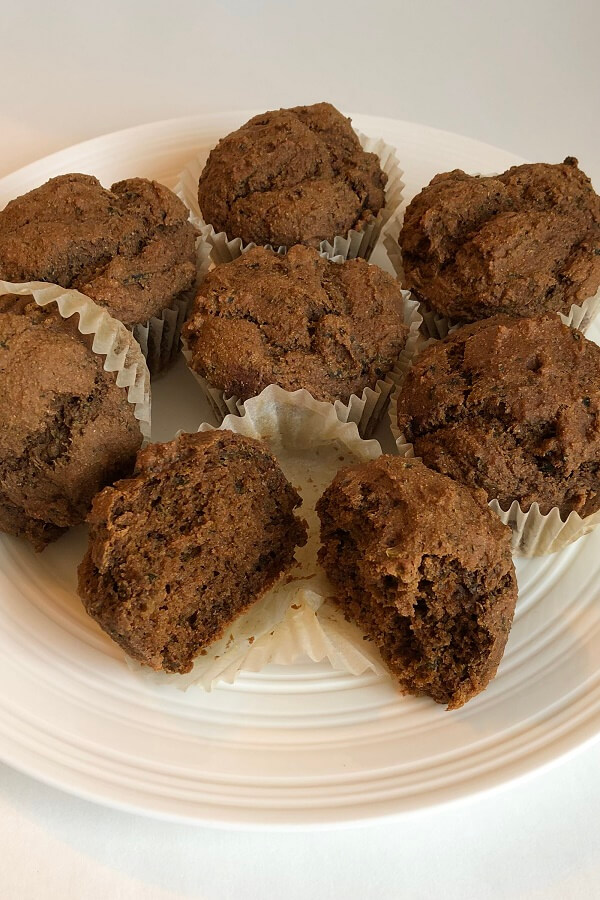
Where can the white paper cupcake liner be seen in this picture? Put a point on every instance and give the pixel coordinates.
(111, 339)
(437, 326)
(533, 533)
(581, 317)
(354, 243)
(366, 410)
(159, 336)
(292, 621)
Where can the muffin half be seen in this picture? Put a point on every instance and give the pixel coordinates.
(203, 528)
(424, 569)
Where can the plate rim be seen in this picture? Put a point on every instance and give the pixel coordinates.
(520, 772)
(239, 113)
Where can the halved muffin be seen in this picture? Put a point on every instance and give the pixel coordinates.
(424, 569)
(203, 528)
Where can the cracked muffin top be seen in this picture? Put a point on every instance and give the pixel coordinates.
(66, 429)
(521, 243)
(291, 176)
(298, 321)
(511, 406)
(130, 248)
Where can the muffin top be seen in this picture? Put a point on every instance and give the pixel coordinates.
(291, 176)
(425, 568)
(298, 321)
(205, 525)
(521, 243)
(407, 513)
(511, 406)
(66, 429)
(130, 248)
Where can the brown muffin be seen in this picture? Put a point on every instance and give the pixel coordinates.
(205, 526)
(66, 429)
(298, 321)
(291, 176)
(521, 243)
(424, 568)
(131, 249)
(511, 406)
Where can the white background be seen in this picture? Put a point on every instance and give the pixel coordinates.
(522, 75)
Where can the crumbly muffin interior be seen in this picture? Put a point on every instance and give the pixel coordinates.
(176, 553)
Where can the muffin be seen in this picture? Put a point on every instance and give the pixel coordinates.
(424, 568)
(131, 248)
(298, 321)
(66, 429)
(511, 406)
(203, 528)
(291, 176)
(522, 243)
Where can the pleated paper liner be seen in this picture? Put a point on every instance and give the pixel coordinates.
(293, 621)
(580, 317)
(111, 339)
(355, 243)
(533, 533)
(159, 336)
(365, 411)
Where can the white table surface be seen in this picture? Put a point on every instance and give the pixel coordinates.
(522, 75)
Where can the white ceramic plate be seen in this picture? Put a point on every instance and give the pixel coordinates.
(298, 746)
